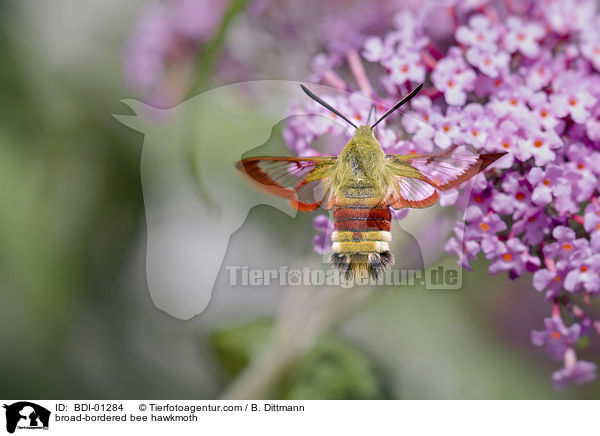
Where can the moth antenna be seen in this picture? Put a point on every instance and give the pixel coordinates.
(400, 103)
(326, 105)
(372, 113)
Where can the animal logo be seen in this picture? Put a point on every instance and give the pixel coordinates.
(24, 414)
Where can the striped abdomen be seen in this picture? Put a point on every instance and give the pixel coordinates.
(361, 240)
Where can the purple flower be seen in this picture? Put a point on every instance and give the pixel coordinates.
(511, 102)
(483, 225)
(535, 223)
(406, 66)
(465, 249)
(576, 103)
(378, 50)
(489, 60)
(540, 73)
(575, 371)
(476, 124)
(584, 275)
(453, 77)
(448, 130)
(565, 245)
(505, 139)
(557, 337)
(523, 37)
(513, 257)
(479, 33)
(545, 114)
(539, 144)
(514, 198)
(416, 123)
(551, 281)
(322, 240)
(547, 184)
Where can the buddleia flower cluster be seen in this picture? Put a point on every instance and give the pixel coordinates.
(521, 77)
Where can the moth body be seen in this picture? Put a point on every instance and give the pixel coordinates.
(362, 221)
(361, 185)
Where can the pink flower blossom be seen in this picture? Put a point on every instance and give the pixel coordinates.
(479, 33)
(454, 78)
(523, 37)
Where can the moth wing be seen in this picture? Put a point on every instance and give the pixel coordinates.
(305, 182)
(410, 192)
(416, 178)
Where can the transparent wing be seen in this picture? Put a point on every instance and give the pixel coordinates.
(305, 182)
(411, 192)
(417, 177)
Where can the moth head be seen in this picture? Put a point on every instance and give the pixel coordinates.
(364, 131)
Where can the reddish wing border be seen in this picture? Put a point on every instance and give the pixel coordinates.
(303, 181)
(412, 193)
(442, 171)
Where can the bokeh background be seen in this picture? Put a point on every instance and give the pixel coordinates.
(76, 318)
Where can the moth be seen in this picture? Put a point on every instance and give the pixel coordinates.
(361, 185)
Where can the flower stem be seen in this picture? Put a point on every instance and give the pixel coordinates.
(304, 317)
(359, 73)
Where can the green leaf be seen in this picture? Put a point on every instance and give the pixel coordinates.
(236, 345)
(332, 369)
(210, 52)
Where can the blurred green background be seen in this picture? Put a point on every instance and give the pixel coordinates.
(76, 319)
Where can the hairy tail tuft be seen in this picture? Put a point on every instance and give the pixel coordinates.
(362, 265)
